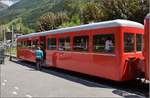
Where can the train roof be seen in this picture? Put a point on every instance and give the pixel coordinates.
(148, 15)
(105, 24)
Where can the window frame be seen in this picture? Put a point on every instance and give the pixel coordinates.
(141, 42)
(134, 46)
(29, 45)
(35, 43)
(48, 43)
(103, 52)
(25, 43)
(64, 48)
(18, 44)
(73, 44)
(22, 43)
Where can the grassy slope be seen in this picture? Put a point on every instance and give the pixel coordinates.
(26, 10)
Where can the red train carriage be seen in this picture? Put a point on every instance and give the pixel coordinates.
(108, 49)
(147, 46)
(26, 46)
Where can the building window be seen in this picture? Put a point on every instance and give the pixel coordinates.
(81, 43)
(64, 44)
(104, 43)
(51, 43)
(128, 42)
(139, 42)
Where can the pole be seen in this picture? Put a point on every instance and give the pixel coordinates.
(4, 34)
(1, 33)
(11, 42)
(4, 41)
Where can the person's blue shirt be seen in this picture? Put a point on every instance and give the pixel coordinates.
(39, 54)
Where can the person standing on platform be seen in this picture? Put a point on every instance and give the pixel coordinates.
(39, 58)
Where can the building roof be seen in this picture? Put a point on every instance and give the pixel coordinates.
(105, 24)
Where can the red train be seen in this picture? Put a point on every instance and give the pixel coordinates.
(147, 46)
(110, 49)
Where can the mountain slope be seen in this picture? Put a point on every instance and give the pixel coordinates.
(21, 9)
(30, 10)
(3, 6)
(25, 13)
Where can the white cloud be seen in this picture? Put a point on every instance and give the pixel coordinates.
(8, 2)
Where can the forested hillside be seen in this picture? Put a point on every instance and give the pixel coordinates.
(28, 15)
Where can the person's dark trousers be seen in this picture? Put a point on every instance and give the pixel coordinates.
(38, 63)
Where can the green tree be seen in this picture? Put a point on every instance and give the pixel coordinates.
(91, 12)
(51, 21)
(134, 10)
(46, 22)
(61, 18)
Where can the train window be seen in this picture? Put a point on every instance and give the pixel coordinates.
(104, 43)
(18, 44)
(139, 42)
(64, 44)
(21, 43)
(51, 43)
(81, 43)
(43, 42)
(128, 42)
(35, 44)
(29, 43)
(25, 43)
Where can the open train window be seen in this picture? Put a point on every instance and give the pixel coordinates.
(51, 43)
(80, 43)
(29, 43)
(139, 42)
(25, 43)
(64, 44)
(104, 43)
(43, 42)
(35, 44)
(128, 42)
(21, 43)
(18, 44)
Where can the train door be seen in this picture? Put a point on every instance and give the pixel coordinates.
(34, 45)
(43, 45)
(51, 52)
